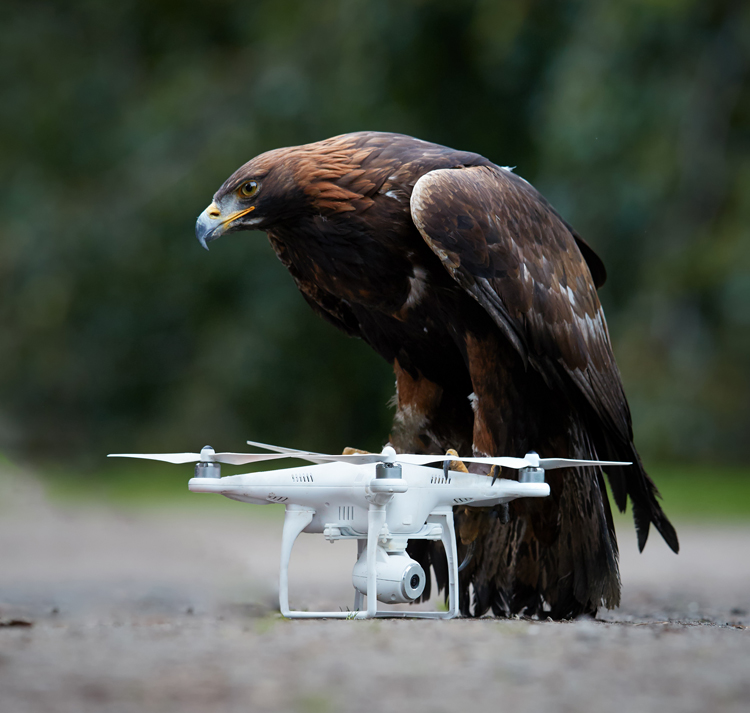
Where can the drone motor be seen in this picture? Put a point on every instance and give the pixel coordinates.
(206, 467)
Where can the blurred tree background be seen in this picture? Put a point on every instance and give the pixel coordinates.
(118, 121)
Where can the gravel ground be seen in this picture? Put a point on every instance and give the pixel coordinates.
(160, 610)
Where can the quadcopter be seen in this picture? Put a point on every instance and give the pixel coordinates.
(381, 500)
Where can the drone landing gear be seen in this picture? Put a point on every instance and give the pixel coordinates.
(298, 518)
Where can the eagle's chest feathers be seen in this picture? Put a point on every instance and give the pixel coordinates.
(358, 266)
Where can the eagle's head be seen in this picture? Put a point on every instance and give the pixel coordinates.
(330, 177)
(258, 195)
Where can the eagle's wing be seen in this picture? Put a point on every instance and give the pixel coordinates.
(521, 263)
(504, 244)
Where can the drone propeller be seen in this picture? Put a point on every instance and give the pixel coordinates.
(292, 452)
(530, 460)
(281, 449)
(207, 455)
(550, 463)
(389, 455)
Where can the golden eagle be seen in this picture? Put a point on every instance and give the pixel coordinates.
(465, 279)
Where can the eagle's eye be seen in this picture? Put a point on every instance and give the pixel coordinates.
(248, 189)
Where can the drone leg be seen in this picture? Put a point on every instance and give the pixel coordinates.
(375, 521)
(358, 596)
(451, 551)
(295, 520)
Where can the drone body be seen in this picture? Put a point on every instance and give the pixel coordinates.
(345, 501)
(340, 493)
(383, 501)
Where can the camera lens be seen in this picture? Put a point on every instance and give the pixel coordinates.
(414, 581)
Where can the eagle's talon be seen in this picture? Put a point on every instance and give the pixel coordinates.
(495, 473)
(455, 465)
(469, 555)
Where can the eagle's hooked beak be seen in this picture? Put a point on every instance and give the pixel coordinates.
(212, 224)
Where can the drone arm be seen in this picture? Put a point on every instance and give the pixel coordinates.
(296, 519)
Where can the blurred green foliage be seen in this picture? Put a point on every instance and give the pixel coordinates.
(118, 121)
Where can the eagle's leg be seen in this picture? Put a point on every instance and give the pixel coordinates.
(495, 399)
(430, 417)
(417, 401)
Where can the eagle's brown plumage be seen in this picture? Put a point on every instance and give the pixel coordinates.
(484, 300)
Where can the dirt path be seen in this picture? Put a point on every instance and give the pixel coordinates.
(174, 610)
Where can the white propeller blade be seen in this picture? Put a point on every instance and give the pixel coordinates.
(166, 457)
(535, 462)
(231, 458)
(281, 449)
(242, 458)
(503, 461)
(414, 459)
(292, 452)
(549, 463)
(354, 458)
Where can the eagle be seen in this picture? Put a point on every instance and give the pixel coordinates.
(484, 300)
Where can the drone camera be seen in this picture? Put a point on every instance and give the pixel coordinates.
(400, 579)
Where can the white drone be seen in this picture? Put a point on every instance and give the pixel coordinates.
(382, 500)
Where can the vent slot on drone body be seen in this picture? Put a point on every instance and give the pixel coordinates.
(277, 498)
(459, 501)
(307, 478)
(440, 480)
(346, 512)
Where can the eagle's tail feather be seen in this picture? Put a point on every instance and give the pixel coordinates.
(643, 495)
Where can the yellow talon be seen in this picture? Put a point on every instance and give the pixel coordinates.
(456, 464)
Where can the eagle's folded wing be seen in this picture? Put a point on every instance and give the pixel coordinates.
(504, 244)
